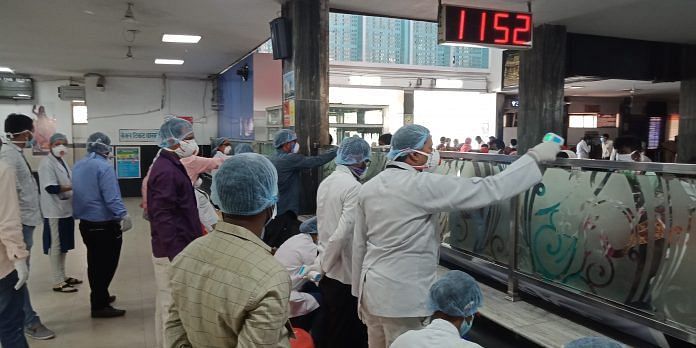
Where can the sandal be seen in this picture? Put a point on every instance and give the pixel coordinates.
(72, 281)
(64, 287)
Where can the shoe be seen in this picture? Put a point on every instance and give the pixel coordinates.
(73, 281)
(39, 332)
(64, 287)
(112, 299)
(108, 312)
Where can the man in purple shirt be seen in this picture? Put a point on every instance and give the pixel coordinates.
(172, 209)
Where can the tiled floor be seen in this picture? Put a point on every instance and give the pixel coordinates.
(68, 314)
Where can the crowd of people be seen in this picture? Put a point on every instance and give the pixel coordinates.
(494, 145)
(234, 267)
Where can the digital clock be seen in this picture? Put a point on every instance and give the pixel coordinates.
(484, 27)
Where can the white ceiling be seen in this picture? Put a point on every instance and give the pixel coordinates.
(74, 37)
(622, 88)
(62, 38)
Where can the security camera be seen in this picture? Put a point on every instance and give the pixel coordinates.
(244, 72)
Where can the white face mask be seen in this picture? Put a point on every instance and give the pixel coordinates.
(432, 163)
(296, 148)
(187, 148)
(59, 151)
(227, 150)
(273, 216)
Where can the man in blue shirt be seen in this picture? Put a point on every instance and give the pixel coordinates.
(103, 217)
(289, 164)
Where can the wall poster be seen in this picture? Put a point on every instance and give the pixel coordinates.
(128, 162)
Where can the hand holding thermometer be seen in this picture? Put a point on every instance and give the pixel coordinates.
(554, 138)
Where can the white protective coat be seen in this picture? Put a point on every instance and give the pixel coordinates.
(440, 333)
(52, 172)
(396, 243)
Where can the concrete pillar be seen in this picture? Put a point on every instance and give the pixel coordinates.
(542, 74)
(408, 108)
(687, 108)
(309, 63)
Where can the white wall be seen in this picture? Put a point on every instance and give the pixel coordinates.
(392, 98)
(136, 103)
(455, 115)
(46, 94)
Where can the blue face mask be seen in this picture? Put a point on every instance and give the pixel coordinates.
(466, 326)
(358, 172)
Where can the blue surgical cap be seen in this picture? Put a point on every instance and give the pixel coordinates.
(593, 342)
(99, 143)
(309, 226)
(410, 137)
(243, 148)
(353, 150)
(215, 143)
(57, 136)
(245, 185)
(283, 137)
(456, 294)
(172, 131)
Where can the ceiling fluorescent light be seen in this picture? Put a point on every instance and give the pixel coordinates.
(181, 38)
(6, 69)
(169, 61)
(446, 83)
(576, 87)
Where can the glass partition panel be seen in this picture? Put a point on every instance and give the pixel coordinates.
(621, 235)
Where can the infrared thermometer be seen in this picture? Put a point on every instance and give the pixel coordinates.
(554, 138)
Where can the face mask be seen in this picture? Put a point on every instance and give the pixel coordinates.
(29, 143)
(273, 216)
(187, 148)
(603, 140)
(466, 326)
(432, 163)
(227, 150)
(359, 172)
(296, 148)
(59, 151)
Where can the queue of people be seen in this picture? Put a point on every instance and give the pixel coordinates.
(230, 267)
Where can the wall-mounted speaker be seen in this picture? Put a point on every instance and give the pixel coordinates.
(281, 38)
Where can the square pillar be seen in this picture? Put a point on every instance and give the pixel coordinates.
(686, 152)
(542, 76)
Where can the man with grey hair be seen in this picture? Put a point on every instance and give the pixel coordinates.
(103, 217)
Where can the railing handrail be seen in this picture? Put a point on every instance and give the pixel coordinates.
(672, 168)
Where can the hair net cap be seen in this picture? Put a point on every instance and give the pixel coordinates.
(353, 150)
(594, 342)
(410, 137)
(57, 136)
(243, 148)
(456, 294)
(172, 131)
(99, 143)
(216, 142)
(309, 226)
(283, 137)
(245, 185)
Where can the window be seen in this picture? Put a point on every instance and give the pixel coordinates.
(583, 121)
(79, 112)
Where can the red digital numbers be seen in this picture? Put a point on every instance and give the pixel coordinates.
(481, 26)
(500, 28)
(527, 19)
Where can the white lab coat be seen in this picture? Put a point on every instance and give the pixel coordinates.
(396, 244)
(297, 251)
(583, 150)
(337, 198)
(206, 212)
(440, 333)
(52, 172)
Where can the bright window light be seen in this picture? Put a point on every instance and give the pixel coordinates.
(79, 114)
(169, 61)
(181, 38)
(6, 69)
(445, 83)
(365, 80)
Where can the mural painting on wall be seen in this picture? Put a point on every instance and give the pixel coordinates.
(44, 127)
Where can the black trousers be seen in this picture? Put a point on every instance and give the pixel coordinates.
(103, 241)
(342, 327)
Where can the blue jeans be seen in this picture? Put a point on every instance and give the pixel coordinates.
(30, 317)
(11, 316)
